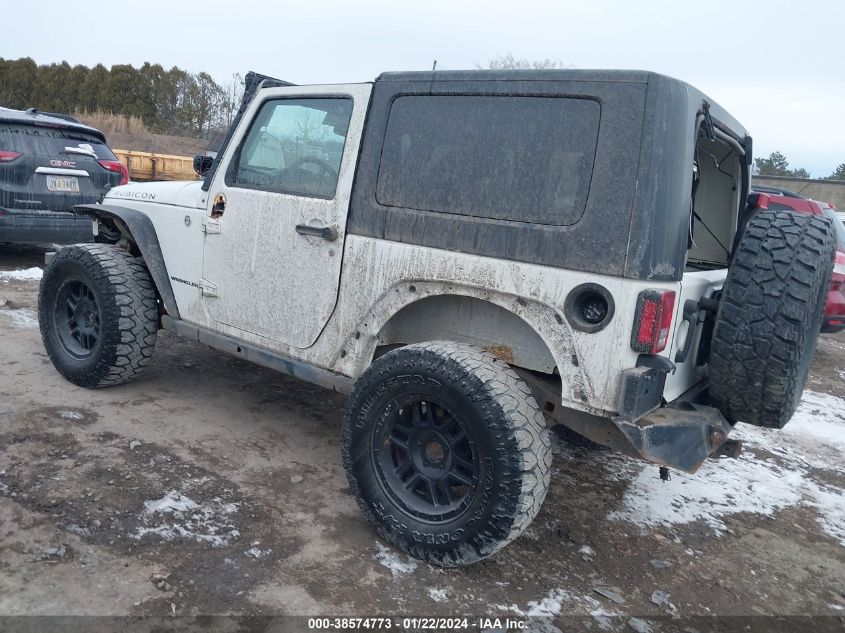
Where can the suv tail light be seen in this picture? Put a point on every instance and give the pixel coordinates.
(5, 156)
(839, 265)
(653, 321)
(117, 167)
(759, 200)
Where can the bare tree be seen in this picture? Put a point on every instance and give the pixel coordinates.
(307, 126)
(234, 89)
(509, 62)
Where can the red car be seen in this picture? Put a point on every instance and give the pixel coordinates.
(782, 199)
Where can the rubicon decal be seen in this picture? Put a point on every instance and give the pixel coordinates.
(136, 195)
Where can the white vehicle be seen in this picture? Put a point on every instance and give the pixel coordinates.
(467, 254)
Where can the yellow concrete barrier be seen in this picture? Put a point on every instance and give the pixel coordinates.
(150, 166)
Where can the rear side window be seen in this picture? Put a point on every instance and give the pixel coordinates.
(777, 206)
(524, 159)
(53, 142)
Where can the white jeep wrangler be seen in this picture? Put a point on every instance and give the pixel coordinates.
(467, 254)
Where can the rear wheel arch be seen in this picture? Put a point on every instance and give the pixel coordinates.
(562, 356)
(142, 240)
(496, 328)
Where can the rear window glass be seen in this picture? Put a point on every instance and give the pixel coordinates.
(777, 206)
(525, 159)
(45, 141)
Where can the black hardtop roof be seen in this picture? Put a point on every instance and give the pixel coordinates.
(47, 119)
(558, 74)
(668, 87)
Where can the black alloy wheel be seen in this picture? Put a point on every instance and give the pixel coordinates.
(446, 451)
(76, 318)
(426, 458)
(99, 313)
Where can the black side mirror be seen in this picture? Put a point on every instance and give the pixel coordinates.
(202, 164)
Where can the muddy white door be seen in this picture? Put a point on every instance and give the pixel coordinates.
(277, 212)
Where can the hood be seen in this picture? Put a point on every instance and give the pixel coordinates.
(181, 194)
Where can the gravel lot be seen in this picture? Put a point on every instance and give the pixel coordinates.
(211, 486)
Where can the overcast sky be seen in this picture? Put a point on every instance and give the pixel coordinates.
(776, 65)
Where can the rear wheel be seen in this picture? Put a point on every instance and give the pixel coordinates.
(446, 452)
(98, 313)
(769, 317)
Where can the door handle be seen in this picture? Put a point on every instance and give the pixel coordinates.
(325, 232)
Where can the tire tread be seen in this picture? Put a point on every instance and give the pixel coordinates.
(122, 283)
(769, 317)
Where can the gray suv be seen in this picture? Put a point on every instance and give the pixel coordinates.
(49, 163)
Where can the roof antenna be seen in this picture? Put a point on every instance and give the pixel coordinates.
(433, 69)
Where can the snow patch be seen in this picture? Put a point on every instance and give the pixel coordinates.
(20, 317)
(70, 415)
(438, 595)
(173, 501)
(817, 429)
(28, 274)
(390, 559)
(779, 468)
(550, 605)
(176, 516)
(639, 625)
(586, 550)
(256, 552)
(553, 603)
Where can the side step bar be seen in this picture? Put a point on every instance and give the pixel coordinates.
(259, 355)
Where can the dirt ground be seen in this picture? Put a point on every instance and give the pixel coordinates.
(210, 486)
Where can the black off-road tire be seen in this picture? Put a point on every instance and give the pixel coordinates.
(494, 407)
(121, 314)
(769, 317)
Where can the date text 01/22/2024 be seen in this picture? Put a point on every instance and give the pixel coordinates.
(415, 624)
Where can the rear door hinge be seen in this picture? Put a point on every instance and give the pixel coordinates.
(210, 225)
(208, 289)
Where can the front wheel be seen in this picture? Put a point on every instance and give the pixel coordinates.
(98, 314)
(446, 452)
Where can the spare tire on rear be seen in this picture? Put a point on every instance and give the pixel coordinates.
(769, 317)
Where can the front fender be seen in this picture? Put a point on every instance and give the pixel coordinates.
(144, 235)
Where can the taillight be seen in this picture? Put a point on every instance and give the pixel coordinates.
(5, 156)
(653, 321)
(117, 167)
(839, 264)
(759, 200)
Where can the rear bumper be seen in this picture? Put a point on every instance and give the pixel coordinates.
(834, 307)
(680, 436)
(60, 227)
(833, 324)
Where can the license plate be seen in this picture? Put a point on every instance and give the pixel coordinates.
(63, 183)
